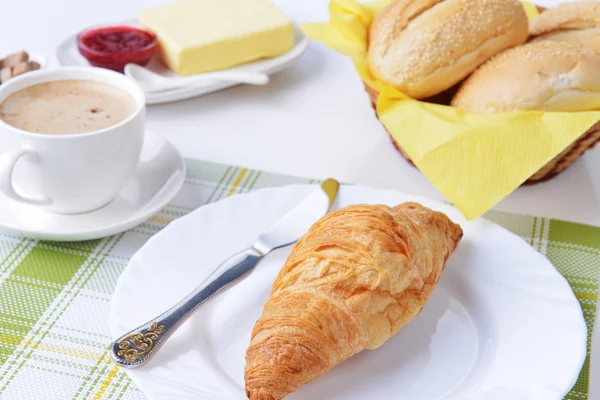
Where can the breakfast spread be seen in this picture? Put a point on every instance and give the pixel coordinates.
(425, 47)
(577, 23)
(67, 107)
(205, 35)
(363, 272)
(16, 64)
(113, 47)
(354, 280)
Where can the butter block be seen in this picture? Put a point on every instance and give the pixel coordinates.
(207, 35)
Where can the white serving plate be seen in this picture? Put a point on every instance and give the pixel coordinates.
(68, 54)
(502, 323)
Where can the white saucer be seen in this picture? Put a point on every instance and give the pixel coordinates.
(157, 179)
(68, 54)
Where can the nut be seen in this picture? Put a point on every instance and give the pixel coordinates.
(23, 67)
(16, 64)
(20, 68)
(5, 74)
(15, 58)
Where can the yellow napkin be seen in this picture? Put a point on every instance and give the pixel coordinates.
(474, 160)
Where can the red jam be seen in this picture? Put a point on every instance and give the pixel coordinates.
(114, 47)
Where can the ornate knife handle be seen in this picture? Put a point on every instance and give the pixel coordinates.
(139, 345)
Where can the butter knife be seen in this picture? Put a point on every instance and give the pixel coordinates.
(138, 346)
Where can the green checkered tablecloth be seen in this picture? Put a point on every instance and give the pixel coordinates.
(54, 297)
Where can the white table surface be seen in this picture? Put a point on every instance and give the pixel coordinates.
(313, 120)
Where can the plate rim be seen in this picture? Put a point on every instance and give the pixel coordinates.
(114, 331)
(117, 227)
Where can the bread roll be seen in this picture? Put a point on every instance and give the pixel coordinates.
(423, 47)
(576, 23)
(545, 75)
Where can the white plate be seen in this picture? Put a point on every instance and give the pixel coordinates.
(502, 323)
(157, 179)
(68, 54)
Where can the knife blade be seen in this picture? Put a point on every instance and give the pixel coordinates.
(139, 345)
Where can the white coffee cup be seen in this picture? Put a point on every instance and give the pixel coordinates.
(72, 173)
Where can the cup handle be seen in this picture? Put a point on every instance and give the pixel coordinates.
(8, 160)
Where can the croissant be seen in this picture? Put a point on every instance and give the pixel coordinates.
(354, 280)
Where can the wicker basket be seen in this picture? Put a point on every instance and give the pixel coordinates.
(585, 142)
(559, 163)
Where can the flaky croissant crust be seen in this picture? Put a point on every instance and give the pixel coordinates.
(355, 279)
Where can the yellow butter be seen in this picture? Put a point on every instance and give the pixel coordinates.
(207, 35)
